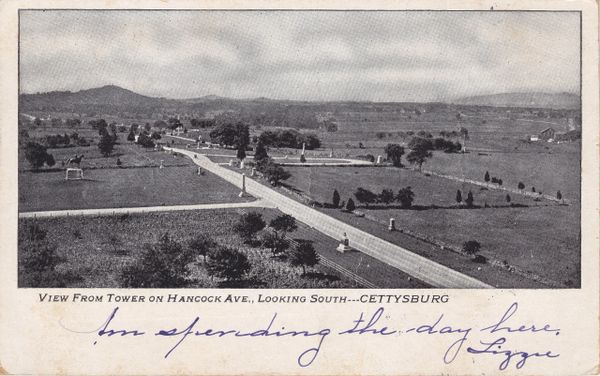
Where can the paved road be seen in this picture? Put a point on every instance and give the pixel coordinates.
(417, 266)
(143, 209)
(291, 161)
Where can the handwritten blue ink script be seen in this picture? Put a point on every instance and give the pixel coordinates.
(497, 341)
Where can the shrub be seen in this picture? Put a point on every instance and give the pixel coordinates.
(350, 206)
(36, 154)
(201, 245)
(248, 225)
(161, 265)
(336, 199)
(406, 197)
(471, 247)
(386, 196)
(364, 196)
(270, 240)
(394, 153)
(469, 200)
(283, 224)
(304, 255)
(227, 263)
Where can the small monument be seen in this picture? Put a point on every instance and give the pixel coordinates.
(198, 145)
(243, 192)
(77, 172)
(344, 245)
(242, 164)
(253, 172)
(199, 170)
(231, 163)
(331, 154)
(379, 159)
(161, 164)
(303, 147)
(392, 225)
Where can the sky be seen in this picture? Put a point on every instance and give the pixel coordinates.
(301, 55)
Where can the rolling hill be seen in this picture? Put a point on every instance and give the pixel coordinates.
(529, 100)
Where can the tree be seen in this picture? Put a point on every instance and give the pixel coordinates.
(521, 185)
(272, 241)
(471, 247)
(533, 189)
(405, 197)
(131, 136)
(304, 255)
(260, 153)
(106, 144)
(469, 200)
(201, 245)
(386, 196)
(227, 263)
(336, 198)
(394, 152)
(162, 265)
(364, 196)
(487, 177)
(37, 155)
(145, 140)
(273, 172)
(499, 181)
(419, 154)
(50, 160)
(248, 225)
(458, 196)
(283, 224)
(241, 153)
(350, 205)
(119, 163)
(507, 198)
(155, 135)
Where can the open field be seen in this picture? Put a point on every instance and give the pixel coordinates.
(108, 188)
(85, 244)
(319, 183)
(129, 154)
(541, 239)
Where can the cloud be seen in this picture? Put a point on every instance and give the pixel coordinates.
(391, 56)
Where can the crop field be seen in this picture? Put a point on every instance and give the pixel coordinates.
(542, 238)
(127, 187)
(98, 248)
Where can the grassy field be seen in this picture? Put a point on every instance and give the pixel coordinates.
(542, 238)
(109, 188)
(86, 245)
(319, 183)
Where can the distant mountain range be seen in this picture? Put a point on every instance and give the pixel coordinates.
(115, 96)
(531, 100)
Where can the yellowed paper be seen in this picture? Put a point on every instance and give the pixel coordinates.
(130, 249)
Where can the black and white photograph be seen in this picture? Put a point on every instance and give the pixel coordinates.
(299, 149)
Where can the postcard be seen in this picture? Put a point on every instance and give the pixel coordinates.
(299, 188)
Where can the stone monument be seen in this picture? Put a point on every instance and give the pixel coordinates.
(392, 225)
(344, 245)
(243, 192)
(379, 159)
(253, 172)
(161, 164)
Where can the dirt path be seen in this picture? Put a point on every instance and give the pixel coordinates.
(417, 266)
(142, 209)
